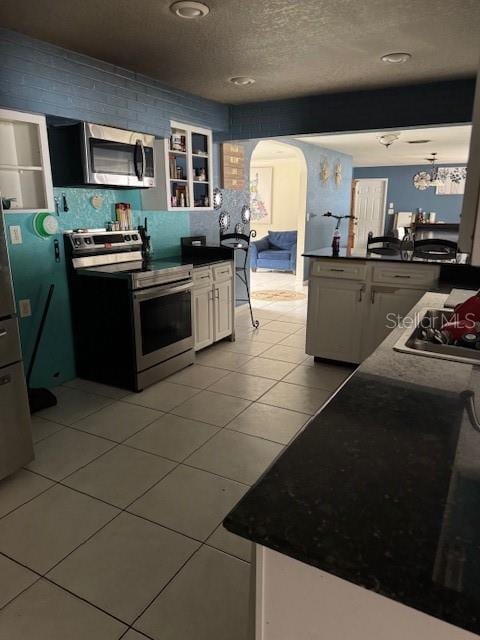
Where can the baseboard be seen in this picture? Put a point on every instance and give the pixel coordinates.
(242, 308)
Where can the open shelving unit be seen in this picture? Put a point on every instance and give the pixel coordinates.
(184, 171)
(189, 168)
(25, 173)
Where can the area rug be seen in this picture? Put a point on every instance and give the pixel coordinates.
(277, 294)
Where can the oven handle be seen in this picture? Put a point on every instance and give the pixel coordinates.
(158, 292)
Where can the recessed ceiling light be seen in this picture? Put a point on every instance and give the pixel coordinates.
(189, 10)
(418, 141)
(242, 81)
(396, 58)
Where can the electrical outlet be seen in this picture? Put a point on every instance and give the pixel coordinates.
(25, 308)
(15, 234)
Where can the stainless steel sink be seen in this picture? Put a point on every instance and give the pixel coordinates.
(413, 342)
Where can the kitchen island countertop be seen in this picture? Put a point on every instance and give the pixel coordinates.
(382, 487)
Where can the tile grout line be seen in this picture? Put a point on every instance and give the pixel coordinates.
(124, 510)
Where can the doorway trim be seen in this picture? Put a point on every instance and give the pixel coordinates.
(356, 182)
(302, 204)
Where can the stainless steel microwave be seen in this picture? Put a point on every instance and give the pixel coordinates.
(93, 154)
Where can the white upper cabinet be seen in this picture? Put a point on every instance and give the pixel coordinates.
(183, 170)
(25, 175)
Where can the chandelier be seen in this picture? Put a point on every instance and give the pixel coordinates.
(433, 178)
(436, 179)
(438, 176)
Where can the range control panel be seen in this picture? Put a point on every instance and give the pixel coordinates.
(85, 240)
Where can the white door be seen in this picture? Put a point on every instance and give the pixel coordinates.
(203, 317)
(369, 210)
(223, 309)
(335, 317)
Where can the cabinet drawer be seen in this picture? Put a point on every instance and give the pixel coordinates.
(349, 270)
(222, 271)
(202, 277)
(9, 342)
(409, 275)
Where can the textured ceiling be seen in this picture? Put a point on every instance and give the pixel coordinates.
(450, 143)
(271, 150)
(291, 48)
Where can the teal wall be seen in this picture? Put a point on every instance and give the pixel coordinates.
(34, 269)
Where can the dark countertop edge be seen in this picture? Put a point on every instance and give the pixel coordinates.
(452, 275)
(316, 253)
(197, 263)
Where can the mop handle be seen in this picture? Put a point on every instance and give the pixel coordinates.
(40, 332)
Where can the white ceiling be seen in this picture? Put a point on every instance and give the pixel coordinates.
(268, 150)
(451, 144)
(291, 48)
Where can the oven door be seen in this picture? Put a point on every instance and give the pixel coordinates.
(118, 157)
(163, 323)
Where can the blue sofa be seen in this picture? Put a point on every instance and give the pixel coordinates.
(277, 251)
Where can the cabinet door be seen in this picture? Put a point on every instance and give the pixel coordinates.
(223, 309)
(335, 318)
(203, 317)
(386, 307)
(25, 173)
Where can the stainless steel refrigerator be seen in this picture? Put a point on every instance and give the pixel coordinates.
(16, 448)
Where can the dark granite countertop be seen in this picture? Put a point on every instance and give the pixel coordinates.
(326, 252)
(452, 275)
(382, 487)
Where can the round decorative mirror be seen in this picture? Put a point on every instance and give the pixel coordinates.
(245, 214)
(224, 221)
(421, 180)
(217, 198)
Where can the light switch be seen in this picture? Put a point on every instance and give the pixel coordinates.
(25, 308)
(16, 234)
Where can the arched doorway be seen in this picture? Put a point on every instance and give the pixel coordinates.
(278, 193)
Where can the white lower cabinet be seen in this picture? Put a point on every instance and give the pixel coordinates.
(213, 305)
(203, 317)
(223, 325)
(386, 307)
(349, 318)
(333, 306)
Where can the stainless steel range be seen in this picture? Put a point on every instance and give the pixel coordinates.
(132, 320)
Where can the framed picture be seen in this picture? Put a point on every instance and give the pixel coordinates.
(453, 181)
(261, 194)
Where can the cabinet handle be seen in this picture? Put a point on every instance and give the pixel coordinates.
(217, 294)
(397, 275)
(372, 296)
(3, 333)
(360, 294)
(203, 277)
(337, 270)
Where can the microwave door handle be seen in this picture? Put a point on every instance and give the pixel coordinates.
(139, 171)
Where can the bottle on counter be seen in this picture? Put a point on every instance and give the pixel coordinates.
(336, 243)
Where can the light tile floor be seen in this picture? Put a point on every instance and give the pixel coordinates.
(114, 531)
